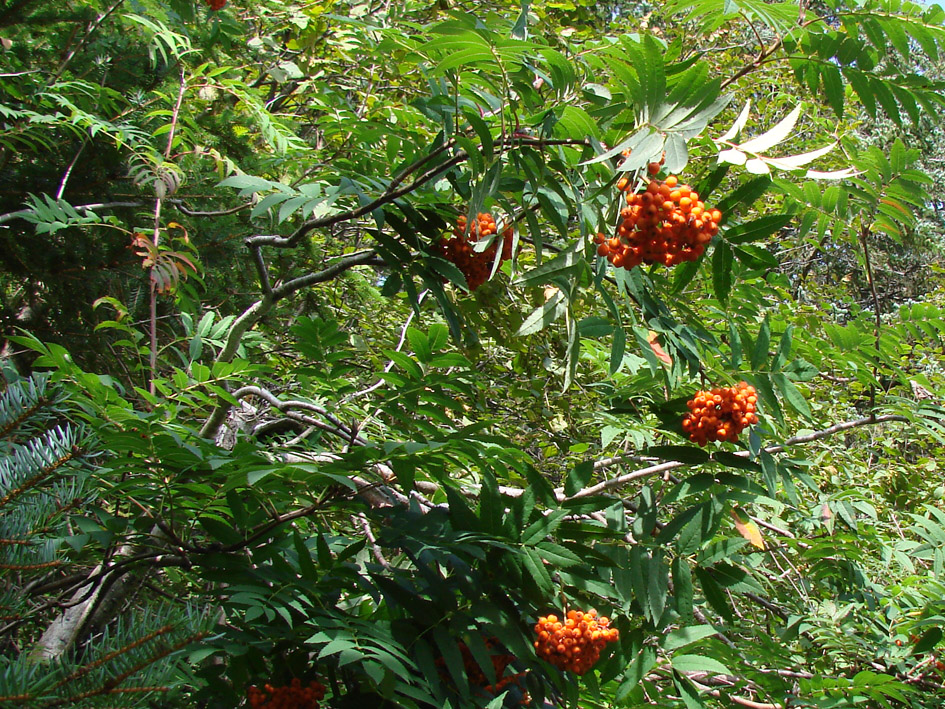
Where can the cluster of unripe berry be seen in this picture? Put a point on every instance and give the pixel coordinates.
(477, 678)
(666, 223)
(720, 414)
(291, 696)
(575, 642)
(459, 249)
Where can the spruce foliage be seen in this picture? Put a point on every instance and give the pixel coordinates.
(61, 642)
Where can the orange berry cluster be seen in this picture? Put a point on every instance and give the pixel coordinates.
(216, 4)
(666, 223)
(720, 414)
(575, 643)
(459, 249)
(477, 678)
(291, 696)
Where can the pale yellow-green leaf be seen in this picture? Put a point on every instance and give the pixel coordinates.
(733, 157)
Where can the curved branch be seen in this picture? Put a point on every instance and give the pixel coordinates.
(179, 204)
(622, 480)
(394, 192)
(336, 426)
(367, 257)
(258, 310)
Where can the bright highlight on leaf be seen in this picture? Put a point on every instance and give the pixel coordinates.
(776, 135)
(761, 164)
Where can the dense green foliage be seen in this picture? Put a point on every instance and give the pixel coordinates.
(300, 448)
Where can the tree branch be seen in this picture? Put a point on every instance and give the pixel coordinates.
(261, 308)
(864, 231)
(89, 32)
(156, 237)
(337, 427)
(261, 269)
(622, 480)
(179, 204)
(394, 192)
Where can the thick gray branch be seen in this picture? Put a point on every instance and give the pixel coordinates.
(65, 631)
(335, 425)
(261, 308)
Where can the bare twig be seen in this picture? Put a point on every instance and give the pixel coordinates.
(65, 178)
(390, 365)
(89, 32)
(660, 468)
(179, 204)
(864, 232)
(261, 269)
(152, 325)
(372, 540)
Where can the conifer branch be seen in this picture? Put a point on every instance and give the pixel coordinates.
(25, 414)
(137, 690)
(110, 687)
(15, 699)
(39, 477)
(82, 671)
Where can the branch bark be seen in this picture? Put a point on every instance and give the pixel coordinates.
(394, 192)
(261, 308)
(660, 468)
(65, 631)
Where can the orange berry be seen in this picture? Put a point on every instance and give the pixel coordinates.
(720, 414)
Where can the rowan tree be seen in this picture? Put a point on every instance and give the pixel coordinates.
(349, 346)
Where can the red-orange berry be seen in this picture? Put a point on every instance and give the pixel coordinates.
(665, 223)
(575, 645)
(458, 249)
(478, 681)
(720, 414)
(291, 696)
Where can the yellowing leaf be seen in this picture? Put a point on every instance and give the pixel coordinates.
(748, 529)
(660, 353)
